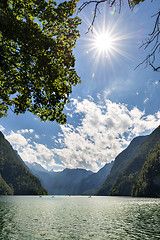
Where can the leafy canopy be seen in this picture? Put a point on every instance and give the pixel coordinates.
(132, 3)
(37, 71)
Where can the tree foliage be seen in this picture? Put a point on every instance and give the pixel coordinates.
(120, 163)
(36, 57)
(136, 170)
(5, 189)
(148, 182)
(128, 177)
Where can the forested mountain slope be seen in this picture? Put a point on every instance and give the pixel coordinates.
(136, 171)
(129, 176)
(15, 178)
(148, 182)
(120, 164)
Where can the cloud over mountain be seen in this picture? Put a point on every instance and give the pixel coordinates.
(30, 150)
(100, 131)
(104, 130)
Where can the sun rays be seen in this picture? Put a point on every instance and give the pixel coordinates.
(109, 38)
(107, 43)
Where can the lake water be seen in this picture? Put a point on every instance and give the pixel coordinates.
(78, 217)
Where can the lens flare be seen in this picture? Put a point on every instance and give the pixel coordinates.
(113, 11)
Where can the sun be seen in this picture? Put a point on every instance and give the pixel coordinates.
(108, 44)
(104, 42)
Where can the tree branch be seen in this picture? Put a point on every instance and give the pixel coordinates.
(96, 2)
(152, 41)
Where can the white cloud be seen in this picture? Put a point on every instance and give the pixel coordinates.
(108, 92)
(39, 153)
(16, 139)
(36, 136)
(2, 128)
(25, 131)
(156, 82)
(146, 100)
(31, 152)
(103, 132)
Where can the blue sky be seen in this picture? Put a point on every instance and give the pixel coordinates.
(113, 104)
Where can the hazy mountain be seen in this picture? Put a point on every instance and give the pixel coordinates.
(70, 181)
(60, 183)
(66, 182)
(35, 167)
(15, 178)
(120, 163)
(93, 182)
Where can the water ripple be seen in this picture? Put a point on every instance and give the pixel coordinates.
(111, 218)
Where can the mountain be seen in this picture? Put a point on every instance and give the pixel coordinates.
(14, 177)
(120, 163)
(130, 174)
(35, 167)
(136, 171)
(93, 182)
(66, 182)
(59, 183)
(5, 189)
(148, 181)
(70, 181)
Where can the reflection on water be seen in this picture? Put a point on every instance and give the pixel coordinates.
(47, 218)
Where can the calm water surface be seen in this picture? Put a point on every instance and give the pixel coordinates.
(47, 218)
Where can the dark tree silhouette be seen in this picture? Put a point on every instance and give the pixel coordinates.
(37, 65)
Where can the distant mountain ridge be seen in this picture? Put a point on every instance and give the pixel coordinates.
(93, 182)
(35, 167)
(14, 177)
(59, 183)
(70, 181)
(130, 170)
(135, 172)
